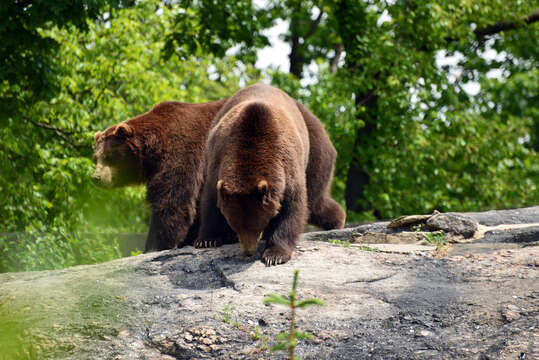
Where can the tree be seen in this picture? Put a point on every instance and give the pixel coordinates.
(109, 73)
(387, 64)
(26, 70)
(211, 27)
(409, 137)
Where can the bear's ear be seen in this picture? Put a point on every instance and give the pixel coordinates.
(262, 187)
(123, 129)
(220, 184)
(221, 188)
(97, 136)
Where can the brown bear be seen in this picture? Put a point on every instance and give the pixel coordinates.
(269, 166)
(163, 148)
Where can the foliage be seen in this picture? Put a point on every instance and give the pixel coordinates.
(27, 68)
(411, 140)
(410, 137)
(289, 340)
(226, 314)
(112, 72)
(212, 27)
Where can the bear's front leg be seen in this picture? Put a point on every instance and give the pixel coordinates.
(153, 241)
(213, 226)
(283, 230)
(169, 227)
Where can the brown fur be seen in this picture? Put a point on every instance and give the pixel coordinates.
(257, 159)
(163, 148)
(325, 212)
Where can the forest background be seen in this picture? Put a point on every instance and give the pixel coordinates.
(410, 138)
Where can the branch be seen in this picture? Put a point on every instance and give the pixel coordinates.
(506, 25)
(61, 133)
(314, 25)
(482, 33)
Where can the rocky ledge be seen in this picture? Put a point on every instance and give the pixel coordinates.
(420, 298)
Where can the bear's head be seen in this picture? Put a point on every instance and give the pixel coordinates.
(248, 213)
(117, 163)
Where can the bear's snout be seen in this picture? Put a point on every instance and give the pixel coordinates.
(95, 178)
(248, 243)
(102, 175)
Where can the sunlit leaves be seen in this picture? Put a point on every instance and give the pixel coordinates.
(108, 74)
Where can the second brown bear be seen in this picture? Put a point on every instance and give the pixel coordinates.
(258, 156)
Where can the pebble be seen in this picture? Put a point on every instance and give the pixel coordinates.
(511, 312)
(425, 333)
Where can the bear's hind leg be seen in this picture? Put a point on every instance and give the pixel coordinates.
(327, 214)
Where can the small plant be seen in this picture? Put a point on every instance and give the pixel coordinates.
(368, 248)
(339, 242)
(256, 334)
(227, 314)
(437, 239)
(289, 340)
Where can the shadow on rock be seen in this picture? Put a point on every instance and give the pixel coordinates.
(199, 269)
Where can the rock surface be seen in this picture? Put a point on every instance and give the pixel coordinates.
(453, 223)
(382, 301)
(518, 235)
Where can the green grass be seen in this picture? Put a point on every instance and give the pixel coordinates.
(368, 248)
(344, 243)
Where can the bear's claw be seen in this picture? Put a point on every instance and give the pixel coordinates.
(273, 260)
(272, 257)
(207, 243)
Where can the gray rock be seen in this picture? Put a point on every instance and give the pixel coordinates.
(405, 237)
(347, 233)
(510, 312)
(454, 223)
(208, 303)
(518, 236)
(528, 215)
(397, 302)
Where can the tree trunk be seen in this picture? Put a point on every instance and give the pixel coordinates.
(352, 25)
(296, 60)
(358, 177)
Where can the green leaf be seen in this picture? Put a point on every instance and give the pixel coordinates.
(276, 299)
(279, 346)
(305, 303)
(303, 336)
